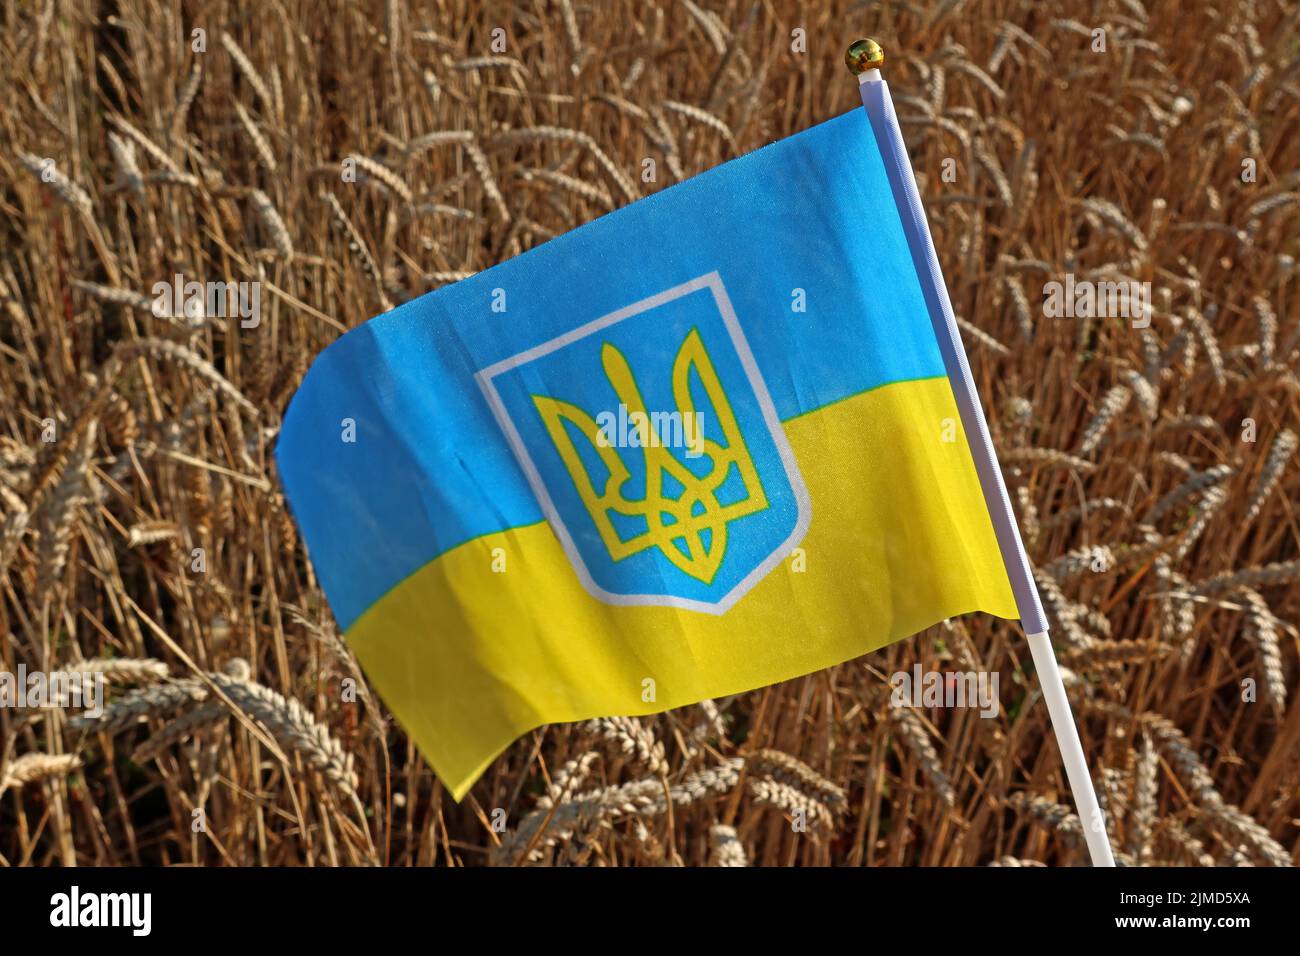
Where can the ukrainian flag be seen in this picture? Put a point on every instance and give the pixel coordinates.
(705, 443)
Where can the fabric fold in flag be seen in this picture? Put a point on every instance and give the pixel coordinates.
(700, 445)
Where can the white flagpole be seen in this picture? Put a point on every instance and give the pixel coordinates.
(865, 58)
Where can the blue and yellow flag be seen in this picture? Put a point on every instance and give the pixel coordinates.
(697, 446)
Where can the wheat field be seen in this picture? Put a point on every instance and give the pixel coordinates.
(1153, 469)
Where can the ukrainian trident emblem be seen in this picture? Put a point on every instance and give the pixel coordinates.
(655, 451)
(689, 529)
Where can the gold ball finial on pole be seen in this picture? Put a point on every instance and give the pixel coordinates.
(863, 55)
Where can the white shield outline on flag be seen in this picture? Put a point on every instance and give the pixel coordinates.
(713, 282)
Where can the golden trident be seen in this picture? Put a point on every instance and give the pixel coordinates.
(675, 526)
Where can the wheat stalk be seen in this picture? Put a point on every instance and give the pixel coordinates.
(1200, 324)
(1088, 509)
(60, 510)
(1145, 788)
(124, 158)
(703, 117)
(155, 700)
(1013, 861)
(385, 177)
(275, 226)
(783, 768)
(155, 152)
(1055, 816)
(636, 742)
(150, 532)
(1114, 402)
(1262, 630)
(1266, 320)
(292, 726)
(913, 733)
(548, 826)
(30, 768)
(64, 188)
(483, 169)
(180, 729)
(1279, 456)
(979, 335)
(264, 152)
(1047, 456)
(725, 848)
(566, 781)
(357, 245)
(1105, 211)
(1112, 653)
(115, 296)
(792, 800)
(1093, 558)
(247, 70)
(188, 358)
(1144, 393)
(1021, 304)
(1193, 486)
(123, 670)
(588, 191)
(1189, 768)
(1277, 573)
(185, 97)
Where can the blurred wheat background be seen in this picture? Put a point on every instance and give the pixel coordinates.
(1167, 540)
